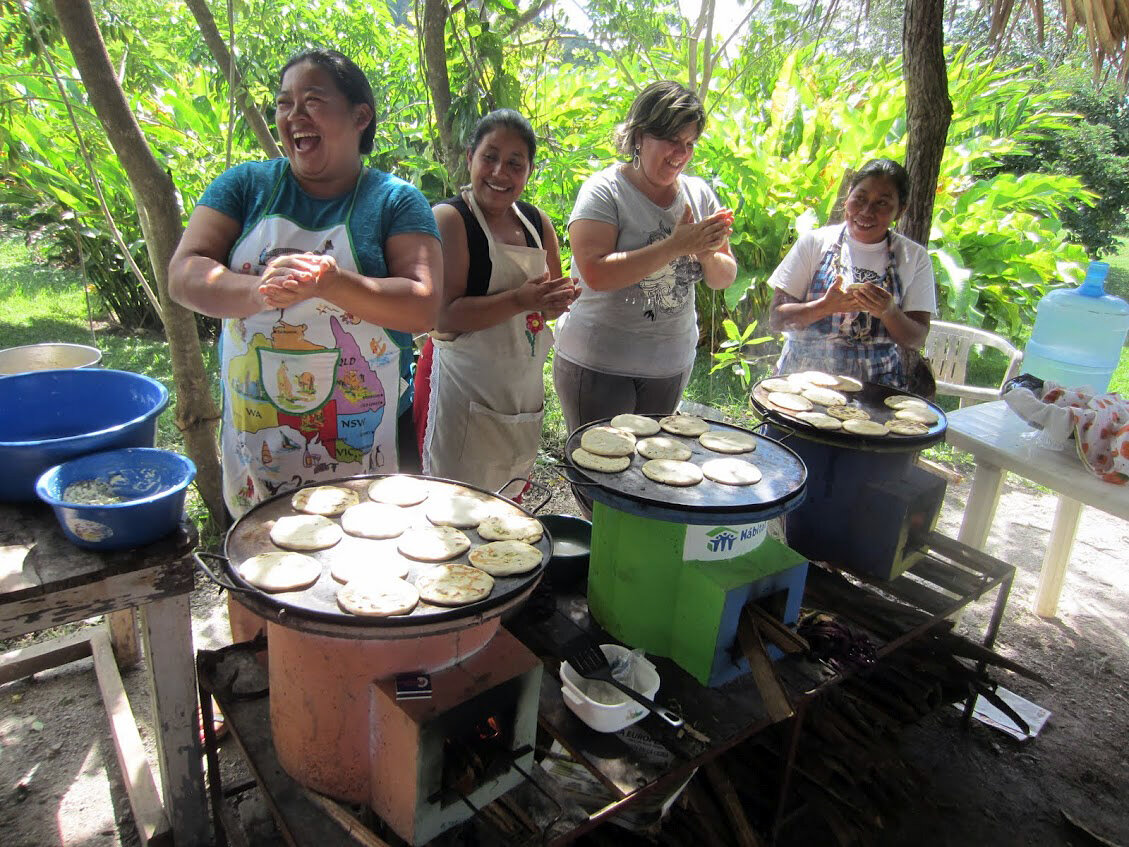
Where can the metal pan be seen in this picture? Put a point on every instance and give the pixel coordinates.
(250, 535)
(782, 484)
(871, 399)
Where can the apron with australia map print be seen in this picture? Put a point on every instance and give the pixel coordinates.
(310, 391)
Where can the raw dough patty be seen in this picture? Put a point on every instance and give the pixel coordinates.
(305, 532)
(731, 471)
(670, 472)
(328, 500)
(280, 571)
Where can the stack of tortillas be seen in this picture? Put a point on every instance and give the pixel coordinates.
(605, 448)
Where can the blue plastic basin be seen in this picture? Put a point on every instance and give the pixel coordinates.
(155, 481)
(47, 417)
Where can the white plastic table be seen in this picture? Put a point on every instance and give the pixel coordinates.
(992, 433)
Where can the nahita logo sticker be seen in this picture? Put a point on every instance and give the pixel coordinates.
(714, 543)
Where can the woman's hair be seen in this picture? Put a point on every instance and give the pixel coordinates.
(349, 79)
(886, 169)
(507, 119)
(662, 109)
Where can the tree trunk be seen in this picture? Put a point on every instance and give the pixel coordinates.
(159, 212)
(928, 111)
(219, 51)
(439, 83)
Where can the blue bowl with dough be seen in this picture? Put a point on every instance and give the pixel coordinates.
(50, 416)
(149, 484)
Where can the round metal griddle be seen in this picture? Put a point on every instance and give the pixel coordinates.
(780, 489)
(250, 535)
(870, 399)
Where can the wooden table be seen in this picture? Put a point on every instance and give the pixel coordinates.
(993, 434)
(46, 581)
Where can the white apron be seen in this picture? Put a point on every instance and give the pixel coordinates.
(487, 391)
(310, 392)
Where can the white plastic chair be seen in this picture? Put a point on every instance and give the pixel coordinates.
(947, 348)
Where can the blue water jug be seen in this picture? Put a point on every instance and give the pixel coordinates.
(1078, 333)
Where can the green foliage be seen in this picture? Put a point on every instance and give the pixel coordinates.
(733, 353)
(1094, 146)
(784, 126)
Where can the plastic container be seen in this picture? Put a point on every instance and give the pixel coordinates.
(621, 711)
(48, 417)
(1078, 334)
(154, 483)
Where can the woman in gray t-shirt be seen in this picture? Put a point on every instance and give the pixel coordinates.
(642, 235)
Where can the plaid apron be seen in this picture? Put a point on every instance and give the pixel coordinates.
(846, 343)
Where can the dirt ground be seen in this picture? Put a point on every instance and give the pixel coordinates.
(60, 784)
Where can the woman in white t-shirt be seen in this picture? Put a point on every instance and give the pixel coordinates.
(642, 235)
(849, 295)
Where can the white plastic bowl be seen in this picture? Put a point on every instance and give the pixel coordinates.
(609, 716)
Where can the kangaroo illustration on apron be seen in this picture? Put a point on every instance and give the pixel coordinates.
(487, 392)
(310, 391)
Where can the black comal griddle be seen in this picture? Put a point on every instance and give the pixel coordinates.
(780, 488)
(250, 535)
(870, 399)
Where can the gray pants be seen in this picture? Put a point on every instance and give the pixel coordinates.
(587, 395)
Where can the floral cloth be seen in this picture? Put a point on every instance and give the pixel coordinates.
(1099, 423)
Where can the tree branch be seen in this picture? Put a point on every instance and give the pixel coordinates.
(220, 53)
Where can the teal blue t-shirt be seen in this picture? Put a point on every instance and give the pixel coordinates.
(385, 206)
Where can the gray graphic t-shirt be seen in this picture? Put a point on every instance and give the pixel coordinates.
(648, 329)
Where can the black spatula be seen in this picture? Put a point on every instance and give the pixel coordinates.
(588, 660)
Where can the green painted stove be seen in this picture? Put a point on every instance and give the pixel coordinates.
(671, 568)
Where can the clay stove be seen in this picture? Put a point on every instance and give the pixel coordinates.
(342, 726)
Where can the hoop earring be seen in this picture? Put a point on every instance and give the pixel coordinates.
(636, 162)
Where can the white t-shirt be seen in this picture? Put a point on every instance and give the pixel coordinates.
(915, 270)
(649, 329)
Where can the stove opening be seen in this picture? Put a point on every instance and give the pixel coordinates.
(776, 603)
(478, 742)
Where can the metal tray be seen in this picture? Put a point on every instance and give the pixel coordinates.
(250, 535)
(782, 485)
(871, 399)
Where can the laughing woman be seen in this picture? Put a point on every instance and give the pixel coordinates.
(848, 296)
(502, 281)
(643, 234)
(321, 268)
